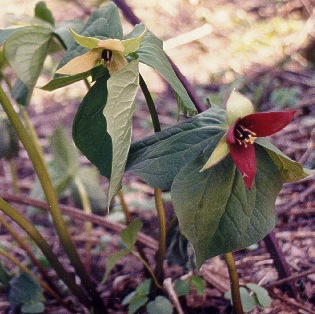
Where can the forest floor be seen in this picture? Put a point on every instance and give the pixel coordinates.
(265, 49)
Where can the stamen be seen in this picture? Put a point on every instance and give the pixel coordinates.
(244, 135)
(107, 55)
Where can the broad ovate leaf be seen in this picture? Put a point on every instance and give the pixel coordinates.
(89, 127)
(290, 170)
(130, 233)
(158, 158)
(26, 51)
(215, 210)
(151, 53)
(118, 112)
(238, 106)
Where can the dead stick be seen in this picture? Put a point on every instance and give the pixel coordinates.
(80, 215)
(279, 260)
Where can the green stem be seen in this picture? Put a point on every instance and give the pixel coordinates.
(151, 105)
(235, 287)
(51, 196)
(45, 248)
(159, 271)
(15, 185)
(160, 256)
(87, 208)
(146, 265)
(124, 206)
(32, 132)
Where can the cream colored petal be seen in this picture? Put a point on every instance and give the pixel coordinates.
(219, 153)
(81, 63)
(117, 63)
(111, 44)
(238, 106)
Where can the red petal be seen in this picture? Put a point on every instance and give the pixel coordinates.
(245, 161)
(230, 137)
(267, 123)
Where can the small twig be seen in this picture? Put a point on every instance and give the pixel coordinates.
(80, 215)
(291, 302)
(168, 286)
(293, 277)
(279, 260)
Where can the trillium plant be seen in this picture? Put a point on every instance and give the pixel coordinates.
(222, 173)
(244, 127)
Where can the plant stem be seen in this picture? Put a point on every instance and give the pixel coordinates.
(146, 265)
(51, 196)
(15, 185)
(159, 271)
(124, 206)
(41, 282)
(160, 256)
(32, 132)
(45, 248)
(151, 105)
(87, 208)
(235, 287)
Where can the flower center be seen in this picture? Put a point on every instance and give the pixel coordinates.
(107, 55)
(244, 135)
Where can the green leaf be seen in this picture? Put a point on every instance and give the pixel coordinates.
(136, 303)
(4, 277)
(89, 128)
(182, 287)
(64, 165)
(144, 288)
(247, 300)
(20, 93)
(9, 142)
(63, 33)
(103, 23)
(158, 158)
(25, 290)
(42, 12)
(90, 178)
(122, 89)
(37, 307)
(198, 283)
(63, 81)
(160, 305)
(111, 262)
(130, 233)
(26, 51)
(215, 210)
(261, 294)
(290, 170)
(151, 53)
(6, 33)
(65, 156)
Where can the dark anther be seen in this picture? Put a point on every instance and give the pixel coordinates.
(107, 55)
(244, 135)
(241, 133)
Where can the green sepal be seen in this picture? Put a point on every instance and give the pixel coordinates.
(290, 170)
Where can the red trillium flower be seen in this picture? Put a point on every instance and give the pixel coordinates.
(244, 127)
